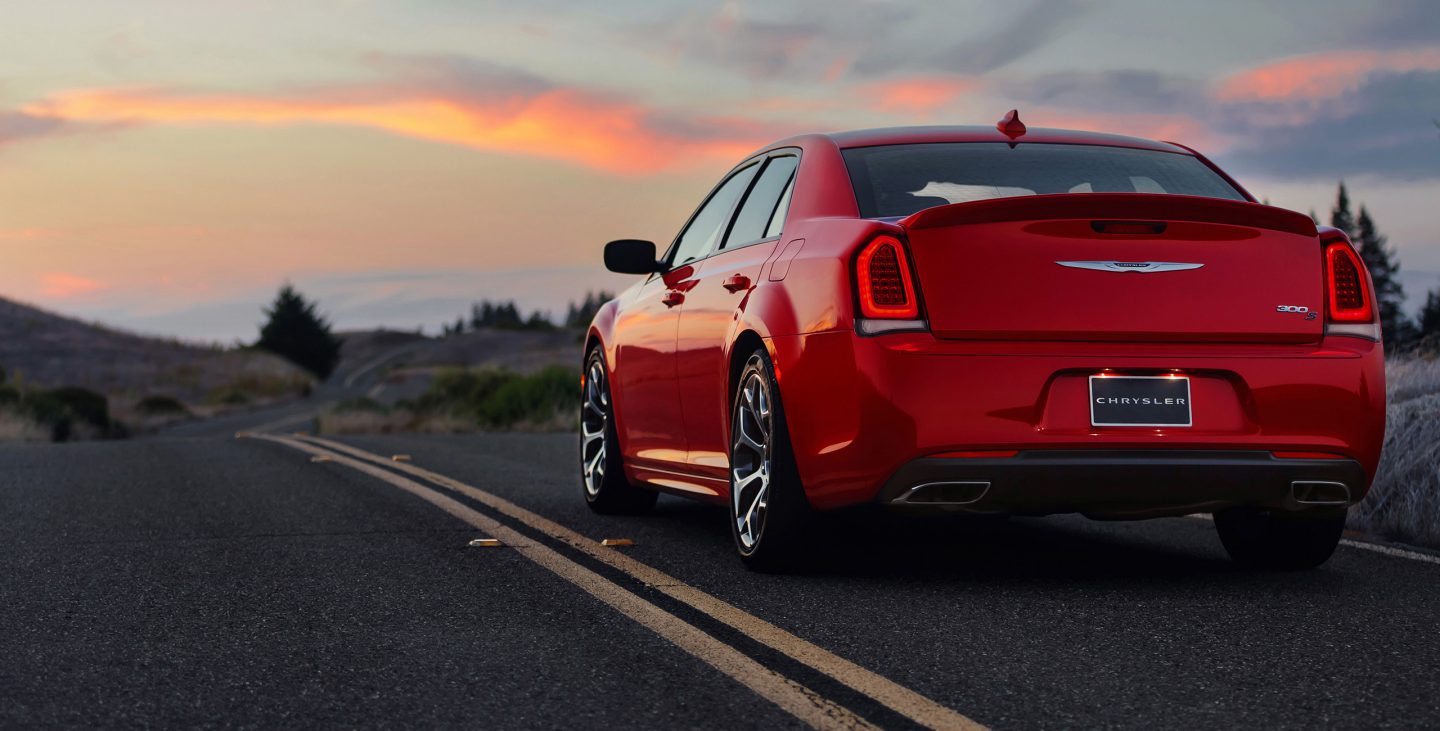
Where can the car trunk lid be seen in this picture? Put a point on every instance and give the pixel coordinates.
(1118, 267)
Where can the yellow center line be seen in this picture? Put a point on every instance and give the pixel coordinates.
(792, 697)
(892, 695)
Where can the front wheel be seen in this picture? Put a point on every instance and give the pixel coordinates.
(601, 473)
(1271, 539)
(769, 514)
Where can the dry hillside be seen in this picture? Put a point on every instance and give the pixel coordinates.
(43, 349)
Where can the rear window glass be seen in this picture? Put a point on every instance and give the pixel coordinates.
(898, 180)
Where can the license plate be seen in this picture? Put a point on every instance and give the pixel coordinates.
(1139, 401)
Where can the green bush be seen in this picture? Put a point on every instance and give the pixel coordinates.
(228, 396)
(535, 398)
(498, 398)
(61, 409)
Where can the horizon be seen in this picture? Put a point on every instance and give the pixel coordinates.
(167, 167)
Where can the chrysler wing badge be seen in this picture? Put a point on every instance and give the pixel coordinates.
(1144, 267)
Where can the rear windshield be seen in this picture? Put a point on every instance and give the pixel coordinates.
(898, 180)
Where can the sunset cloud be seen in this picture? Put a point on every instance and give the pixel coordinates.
(1321, 76)
(60, 285)
(917, 95)
(558, 123)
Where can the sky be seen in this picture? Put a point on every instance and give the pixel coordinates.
(165, 166)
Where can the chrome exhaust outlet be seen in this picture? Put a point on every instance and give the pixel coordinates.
(943, 493)
(1320, 492)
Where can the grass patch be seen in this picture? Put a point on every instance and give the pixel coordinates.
(466, 400)
(1404, 502)
(251, 388)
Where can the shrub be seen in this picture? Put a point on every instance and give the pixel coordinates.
(61, 410)
(534, 399)
(498, 399)
(160, 406)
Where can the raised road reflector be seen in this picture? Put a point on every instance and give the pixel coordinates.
(617, 542)
(485, 543)
(400, 458)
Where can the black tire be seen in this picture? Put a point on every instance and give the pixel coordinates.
(602, 479)
(1269, 539)
(770, 533)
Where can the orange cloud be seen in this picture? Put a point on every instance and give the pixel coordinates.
(561, 124)
(918, 95)
(60, 285)
(29, 234)
(1320, 76)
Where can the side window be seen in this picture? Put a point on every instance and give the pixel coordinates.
(777, 221)
(699, 237)
(759, 206)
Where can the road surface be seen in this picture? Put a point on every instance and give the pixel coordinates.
(214, 580)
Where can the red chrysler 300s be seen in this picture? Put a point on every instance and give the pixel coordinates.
(989, 320)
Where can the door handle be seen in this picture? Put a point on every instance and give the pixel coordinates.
(672, 298)
(737, 283)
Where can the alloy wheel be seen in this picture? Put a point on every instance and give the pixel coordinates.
(594, 421)
(750, 460)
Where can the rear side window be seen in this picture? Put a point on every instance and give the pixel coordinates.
(698, 238)
(777, 221)
(761, 204)
(898, 180)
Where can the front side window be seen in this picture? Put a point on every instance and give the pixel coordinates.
(760, 205)
(698, 238)
(898, 180)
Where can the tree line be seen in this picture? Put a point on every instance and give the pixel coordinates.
(505, 315)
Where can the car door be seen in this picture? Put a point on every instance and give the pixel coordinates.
(648, 395)
(723, 284)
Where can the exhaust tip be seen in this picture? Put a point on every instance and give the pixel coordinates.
(1320, 492)
(944, 493)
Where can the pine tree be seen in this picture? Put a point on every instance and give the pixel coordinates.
(1385, 271)
(294, 331)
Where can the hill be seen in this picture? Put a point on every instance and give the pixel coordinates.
(44, 350)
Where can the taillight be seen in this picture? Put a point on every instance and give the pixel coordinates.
(1350, 306)
(882, 275)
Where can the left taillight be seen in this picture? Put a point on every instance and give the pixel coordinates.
(1350, 303)
(888, 300)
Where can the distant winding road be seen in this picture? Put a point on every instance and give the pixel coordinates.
(272, 581)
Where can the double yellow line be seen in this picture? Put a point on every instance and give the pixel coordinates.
(789, 695)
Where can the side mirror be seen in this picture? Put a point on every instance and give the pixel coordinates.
(631, 256)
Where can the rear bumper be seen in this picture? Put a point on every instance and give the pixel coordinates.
(1123, 483)
(862, 409)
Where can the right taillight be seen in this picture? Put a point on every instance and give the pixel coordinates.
(888, 301)
(1350, 304)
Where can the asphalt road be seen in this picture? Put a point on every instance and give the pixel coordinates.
(215, 581)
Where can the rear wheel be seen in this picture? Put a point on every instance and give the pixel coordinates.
(769, 514)
(601, 473)
(1271, 539)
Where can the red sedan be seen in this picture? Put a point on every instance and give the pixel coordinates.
(989, 320)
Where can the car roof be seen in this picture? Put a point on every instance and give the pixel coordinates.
(980, 133)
